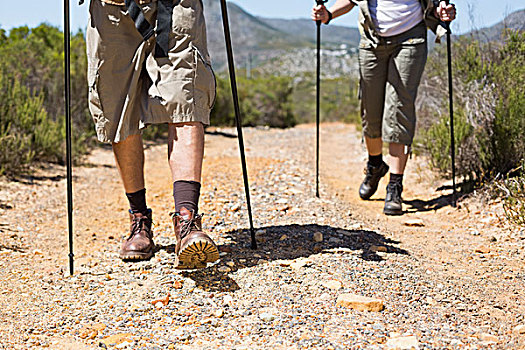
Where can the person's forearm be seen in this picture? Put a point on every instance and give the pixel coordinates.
(341, 7)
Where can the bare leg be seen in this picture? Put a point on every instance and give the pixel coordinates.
(398, 158)
(129, 156)
(186, 151)
(374, 146)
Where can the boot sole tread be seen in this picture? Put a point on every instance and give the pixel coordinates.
(197, 254)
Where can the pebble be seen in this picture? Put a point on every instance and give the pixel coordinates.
(379, 249)
(360, 303)
(519, 330)
(402, 343)
(482, 250)
(332, 284)
(488, 338)
(300, 263)
(414, 223)
(267, 317)
(218, 313)
(117, 339)
(318, 237)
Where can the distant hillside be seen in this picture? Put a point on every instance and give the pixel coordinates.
(514, 21)
(265, 39)
(305, 29)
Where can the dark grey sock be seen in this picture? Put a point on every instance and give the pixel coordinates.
(186, 194)
(137, 201)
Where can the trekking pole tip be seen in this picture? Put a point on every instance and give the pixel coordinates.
(71, 260)
(254, 241)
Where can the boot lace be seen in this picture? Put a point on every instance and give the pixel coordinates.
(138, 225)
(187, 226)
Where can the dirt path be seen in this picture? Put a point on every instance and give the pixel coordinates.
(456, 280)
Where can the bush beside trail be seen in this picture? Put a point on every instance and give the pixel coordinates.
(32, 94)
(32, 99)
(489, 92)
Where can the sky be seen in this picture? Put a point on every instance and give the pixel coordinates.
(471, 13)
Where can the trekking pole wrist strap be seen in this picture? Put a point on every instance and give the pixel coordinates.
(330, 16)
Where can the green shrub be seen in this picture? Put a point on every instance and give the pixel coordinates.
(26, 132)
(262, 101)
(489, 98)
(32, 123)
(339, 100)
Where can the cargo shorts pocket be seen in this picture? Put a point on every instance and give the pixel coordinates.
(204, 83)
(95, 103)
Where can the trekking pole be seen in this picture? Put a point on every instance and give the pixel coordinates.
(67, 78)
(451, 107)
(318, 101)
(233, 82)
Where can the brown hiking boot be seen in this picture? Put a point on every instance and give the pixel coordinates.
(139, 245)
(194, 248)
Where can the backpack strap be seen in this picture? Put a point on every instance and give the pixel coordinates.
(164, 21)
(137, 15)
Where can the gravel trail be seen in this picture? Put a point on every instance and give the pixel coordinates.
(445, 278)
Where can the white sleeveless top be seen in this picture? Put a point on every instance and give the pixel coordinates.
(392, 17)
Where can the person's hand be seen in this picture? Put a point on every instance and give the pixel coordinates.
(446, 13)
(319, 13)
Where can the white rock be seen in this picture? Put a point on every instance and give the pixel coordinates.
(332, 284)
(123, 345)
(267, 317)
(235, 207)
(300, 263)
(227, 300)
(218, 313)
(519, 329)
(325, 296)
(402, 343)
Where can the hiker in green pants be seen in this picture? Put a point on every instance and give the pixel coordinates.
(392, 56)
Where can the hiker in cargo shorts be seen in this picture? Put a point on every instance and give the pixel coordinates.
(392, 57)
(148, 63)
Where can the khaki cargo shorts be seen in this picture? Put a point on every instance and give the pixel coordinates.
(129, 88)
(390, 76)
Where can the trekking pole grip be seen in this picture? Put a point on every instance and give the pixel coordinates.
(447, 23)
(320, 2)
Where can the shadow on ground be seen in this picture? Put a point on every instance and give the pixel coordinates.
(285, 243)
(418, 205)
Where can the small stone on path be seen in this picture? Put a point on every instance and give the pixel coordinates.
(117, 338)
(332, 284)
(300, 263)
(218, 313)
(402, 343)
(519, 330)
(224, 269)
(483, 250)
(267, 317)
(379, 249)
(318, 237)
(414, 223)
(359, 302)
(488, 338)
